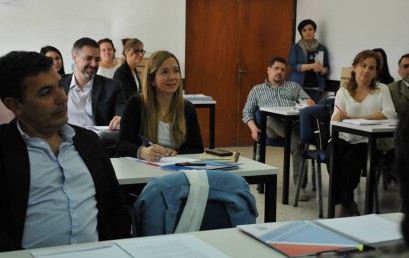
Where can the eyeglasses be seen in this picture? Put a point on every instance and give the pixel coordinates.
(139, 51)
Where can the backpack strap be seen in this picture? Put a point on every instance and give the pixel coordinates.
(192, 216)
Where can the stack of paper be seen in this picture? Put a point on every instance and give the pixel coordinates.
(361, 121)
(197, 97)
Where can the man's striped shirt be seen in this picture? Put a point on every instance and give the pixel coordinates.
(266, 95)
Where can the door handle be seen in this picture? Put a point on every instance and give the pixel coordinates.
(242, 71)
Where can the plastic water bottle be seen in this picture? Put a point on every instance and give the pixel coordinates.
(258, 151)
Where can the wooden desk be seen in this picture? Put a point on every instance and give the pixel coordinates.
(134, 172)
(211, 105)
(288, 114)
(372, 132)
(232, 242)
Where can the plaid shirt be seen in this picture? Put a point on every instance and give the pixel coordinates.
(266, 95)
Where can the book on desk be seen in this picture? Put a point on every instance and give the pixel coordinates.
(303, 238)
(209, 165)
(234, 157)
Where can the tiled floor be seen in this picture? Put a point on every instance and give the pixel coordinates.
(388, 199)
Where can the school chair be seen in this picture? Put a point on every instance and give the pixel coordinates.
(314, 131)
(193, 200)
(276, 142)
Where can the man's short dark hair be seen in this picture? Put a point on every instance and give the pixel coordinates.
(278, 59)
(15, 67)
(404, 56)
(82, 42)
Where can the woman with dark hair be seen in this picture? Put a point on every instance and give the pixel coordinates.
(109, 63)
(359, 98)
(384, 76)
(127, 74)
(308, 60)
(55, 54)
(160, 114)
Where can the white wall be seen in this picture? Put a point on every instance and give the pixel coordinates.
(346, 27)
(160, 24)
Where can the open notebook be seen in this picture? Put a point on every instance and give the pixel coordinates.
(303, 238)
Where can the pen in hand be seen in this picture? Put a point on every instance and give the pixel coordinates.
(147, 142)
(339, 109)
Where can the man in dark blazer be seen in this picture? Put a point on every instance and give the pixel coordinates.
(399, 89)
(92, 99)
(57, 186)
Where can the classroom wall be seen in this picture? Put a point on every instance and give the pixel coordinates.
(31, 24)
(346, 27)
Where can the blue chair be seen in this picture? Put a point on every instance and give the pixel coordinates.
(314, 131)
(159, 207)
(276, 142)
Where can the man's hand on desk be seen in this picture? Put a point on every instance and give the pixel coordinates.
(310, 102)
(114, 124)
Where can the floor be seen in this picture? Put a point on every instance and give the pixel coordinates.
(389, 200)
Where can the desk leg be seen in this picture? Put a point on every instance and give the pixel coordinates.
(370, 176)
(263, 137)
(270, 199)
(287, 152)
(333, 161)
(212, 127)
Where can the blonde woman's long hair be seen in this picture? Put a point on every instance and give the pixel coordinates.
(150, 111)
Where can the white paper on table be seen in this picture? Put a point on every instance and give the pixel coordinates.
(165, 160)
(99, 250)
(367, 228)
(183, 246)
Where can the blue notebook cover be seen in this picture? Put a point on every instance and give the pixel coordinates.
(210, 165)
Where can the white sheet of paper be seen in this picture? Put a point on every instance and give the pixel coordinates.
(164, 161)
(183, 246)
(97, 250)
(368, 228)
(319, 58)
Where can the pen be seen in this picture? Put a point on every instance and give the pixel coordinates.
(190, 164)
(340, 110)
(147, 142)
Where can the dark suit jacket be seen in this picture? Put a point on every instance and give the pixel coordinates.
(113, 217)
(131, 122)
(125, 76)
(108, 99)
(400, 96)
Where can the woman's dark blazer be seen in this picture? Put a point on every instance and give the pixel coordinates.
(125, 76)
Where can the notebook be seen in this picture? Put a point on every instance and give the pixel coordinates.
(301, 238)
(210, 165)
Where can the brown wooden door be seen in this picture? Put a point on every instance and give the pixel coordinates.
(228, 46)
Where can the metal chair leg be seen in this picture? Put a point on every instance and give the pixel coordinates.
(319, 190)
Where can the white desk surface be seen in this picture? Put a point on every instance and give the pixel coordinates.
(231, 242)
(286, 111)
(199, 99)
(366, 128)
(134, 172)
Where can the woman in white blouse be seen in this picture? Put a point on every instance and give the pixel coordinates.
(109, 63)
(361, 97)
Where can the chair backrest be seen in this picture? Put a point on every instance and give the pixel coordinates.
(278, 142)
(158, 208)
(313, 118)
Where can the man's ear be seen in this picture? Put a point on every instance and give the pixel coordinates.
(74, 57)
(14, 105)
